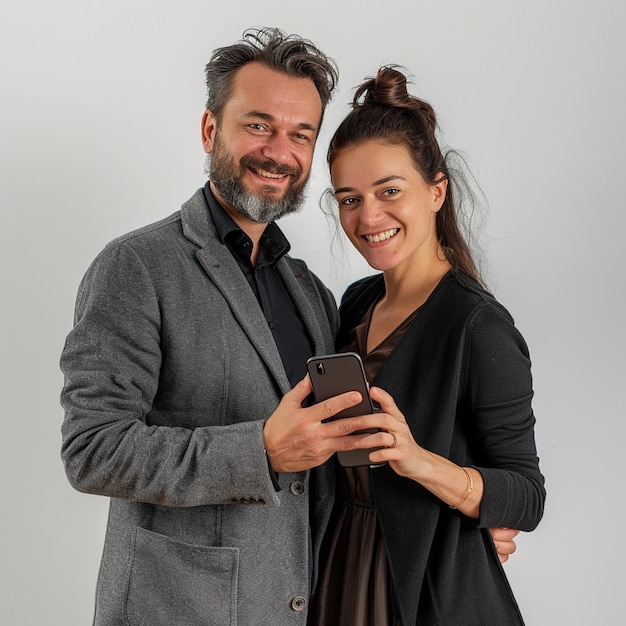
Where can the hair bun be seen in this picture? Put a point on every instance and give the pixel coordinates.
(389, 89)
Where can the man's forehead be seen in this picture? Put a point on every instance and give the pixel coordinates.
(263, 91)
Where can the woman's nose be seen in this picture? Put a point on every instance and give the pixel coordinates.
(370, 212)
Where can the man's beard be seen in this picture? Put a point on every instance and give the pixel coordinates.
(228, 180)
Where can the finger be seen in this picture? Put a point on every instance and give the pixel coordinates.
(306, 384)
(302, 389)
(503, 534)
(373, 422)
(386, 402)
(380, 439)
(299, 393)
(505, 548)
(329, 409)
(390, 441)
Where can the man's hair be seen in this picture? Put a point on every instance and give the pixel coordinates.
(290, 54)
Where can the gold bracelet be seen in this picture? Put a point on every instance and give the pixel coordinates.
(470, 488)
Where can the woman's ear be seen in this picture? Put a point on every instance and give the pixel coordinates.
(439, 192)
(208, 130)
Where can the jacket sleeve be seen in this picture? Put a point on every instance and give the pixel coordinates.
(112, 361)
(500, 395)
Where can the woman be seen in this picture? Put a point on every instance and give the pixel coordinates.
(409, 541)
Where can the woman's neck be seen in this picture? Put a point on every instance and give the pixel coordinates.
(404, 293)
(411, 288)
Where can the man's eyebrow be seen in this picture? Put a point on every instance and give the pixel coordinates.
(270, 118)
(380, 181)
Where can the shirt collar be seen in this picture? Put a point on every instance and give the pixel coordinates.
(273, 242)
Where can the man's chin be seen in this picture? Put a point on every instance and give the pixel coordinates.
(272, 193)
(272, 196)
(265, 196)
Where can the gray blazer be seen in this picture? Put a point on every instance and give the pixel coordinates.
(170, 372)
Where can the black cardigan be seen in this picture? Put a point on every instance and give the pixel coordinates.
(461, 376)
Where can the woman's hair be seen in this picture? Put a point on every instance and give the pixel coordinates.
(290, 54)
(382, 109)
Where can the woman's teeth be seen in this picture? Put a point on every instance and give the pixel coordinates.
(388, 234)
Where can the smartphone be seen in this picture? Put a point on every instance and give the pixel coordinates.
(333, 374)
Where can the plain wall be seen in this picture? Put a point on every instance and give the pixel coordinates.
(100, 133)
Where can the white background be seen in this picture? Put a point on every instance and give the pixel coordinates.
(99, 120)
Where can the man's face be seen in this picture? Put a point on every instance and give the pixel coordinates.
(261, 148)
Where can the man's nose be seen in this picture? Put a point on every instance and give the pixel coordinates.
(278, 149)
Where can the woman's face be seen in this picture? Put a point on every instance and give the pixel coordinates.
(386, 208)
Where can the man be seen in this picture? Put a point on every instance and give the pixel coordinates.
(189, 337)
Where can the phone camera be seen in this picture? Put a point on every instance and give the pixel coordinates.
(321, 369)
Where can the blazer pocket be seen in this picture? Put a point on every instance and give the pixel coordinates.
(172, 582)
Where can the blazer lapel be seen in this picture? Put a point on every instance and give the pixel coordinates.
(229, 279)
(223, 270)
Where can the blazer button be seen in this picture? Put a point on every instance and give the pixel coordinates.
(297, 487)
(298, 603)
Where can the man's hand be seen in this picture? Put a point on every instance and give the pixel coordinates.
(503, 540)
(298, 439)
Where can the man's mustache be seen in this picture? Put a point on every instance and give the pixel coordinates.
(268, 165)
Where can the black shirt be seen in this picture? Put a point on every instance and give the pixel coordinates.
(292, 340)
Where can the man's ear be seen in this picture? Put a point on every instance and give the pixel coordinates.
(208, 130)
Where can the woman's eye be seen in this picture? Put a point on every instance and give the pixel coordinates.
(347, 201)
(390, 192)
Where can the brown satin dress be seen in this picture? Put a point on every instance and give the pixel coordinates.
(354, 588)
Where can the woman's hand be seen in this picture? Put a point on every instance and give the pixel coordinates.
(459, 487)
(402, 452)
